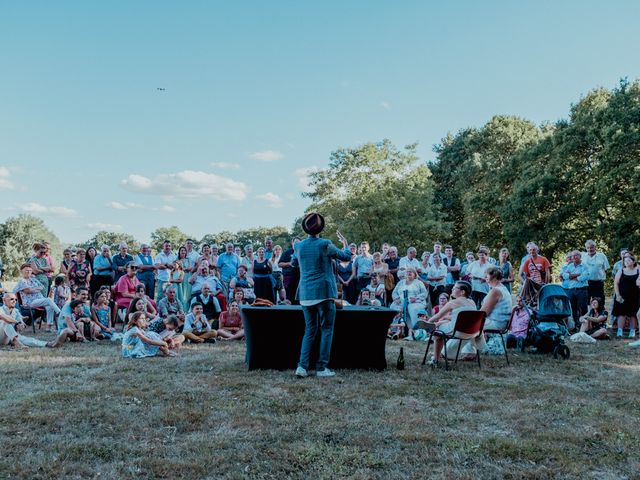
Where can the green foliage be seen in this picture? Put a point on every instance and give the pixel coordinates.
(510, 181)
(112, 239)
(378, 193)
(17, 236)
(255, 236)
(176, 236)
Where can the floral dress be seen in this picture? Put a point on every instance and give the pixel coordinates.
(104, 316)
(133, 347)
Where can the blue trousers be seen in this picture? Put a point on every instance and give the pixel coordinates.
(321, 315)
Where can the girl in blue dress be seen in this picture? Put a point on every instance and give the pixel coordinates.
(187, 265)
(138, 343)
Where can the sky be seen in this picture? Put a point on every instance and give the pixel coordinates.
(129, 116)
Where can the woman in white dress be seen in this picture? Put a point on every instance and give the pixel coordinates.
(416, 296)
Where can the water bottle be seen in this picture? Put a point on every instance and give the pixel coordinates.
(400, 363)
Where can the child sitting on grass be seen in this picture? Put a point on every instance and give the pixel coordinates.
(137, 343)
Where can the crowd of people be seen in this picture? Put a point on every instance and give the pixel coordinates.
(190, 294)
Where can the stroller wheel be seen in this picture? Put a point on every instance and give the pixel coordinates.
(565, 353)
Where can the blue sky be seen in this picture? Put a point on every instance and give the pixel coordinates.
(257, 93)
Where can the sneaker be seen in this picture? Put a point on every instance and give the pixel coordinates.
(619, 333)
(632, 333)
(325, 373)
(301, 372)
(210, 340)
(634, 344)
(432, 362)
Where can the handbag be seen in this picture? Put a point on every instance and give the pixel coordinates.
(389, 281)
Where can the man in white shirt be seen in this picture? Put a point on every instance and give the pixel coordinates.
(191, 253)
(597, 265)
(409, 261)
(11, 326)
(164, 265)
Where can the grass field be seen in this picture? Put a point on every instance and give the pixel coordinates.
(84, 412)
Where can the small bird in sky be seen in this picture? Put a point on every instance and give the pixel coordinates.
(161, 89)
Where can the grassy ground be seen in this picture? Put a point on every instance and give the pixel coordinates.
(84, 412)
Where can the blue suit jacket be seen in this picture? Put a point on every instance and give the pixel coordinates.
(317, 278)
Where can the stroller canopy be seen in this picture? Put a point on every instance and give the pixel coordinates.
(553, 302)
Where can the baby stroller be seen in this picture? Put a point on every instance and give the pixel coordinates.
(548, 323)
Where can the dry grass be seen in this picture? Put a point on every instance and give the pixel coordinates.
(84, 412)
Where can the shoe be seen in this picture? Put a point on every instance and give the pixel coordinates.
(619, 333)
(432, 362)
(326, 373)
(408, 338)
(632, 333)
(634, 344)
(210, 340)
(301, 372)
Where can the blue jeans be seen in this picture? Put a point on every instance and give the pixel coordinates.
(322, 314)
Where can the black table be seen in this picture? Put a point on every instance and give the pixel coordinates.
(274, 336)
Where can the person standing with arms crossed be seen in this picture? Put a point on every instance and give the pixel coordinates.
(316, 291)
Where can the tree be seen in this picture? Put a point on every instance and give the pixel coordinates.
(378, 193)
(112, 239)
(254, 236)
(17, 236)
(176, 236)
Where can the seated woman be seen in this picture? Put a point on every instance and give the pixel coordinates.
(442, 301)
(497, 304)
(139, 304)
(231, 323)
(244, 282)
(594, 322)
(366, 298)
(416, 296)
(150, 304)
(376, 288)
(138, 343)
(445, 319)
(239, 298)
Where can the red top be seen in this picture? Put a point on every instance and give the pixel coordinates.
(125, 285)
(228, 321)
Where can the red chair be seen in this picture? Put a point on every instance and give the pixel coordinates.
(502, 332)
(469, 323)
(32, 314)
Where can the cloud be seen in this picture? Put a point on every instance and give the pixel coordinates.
(5, 183)
(167, 208)
(225, 165)
(124, 206)
(104, 226)
(267, 156)
(272, 199)
(187, 184)
(385, 105)
(38, 208)
(303, 177)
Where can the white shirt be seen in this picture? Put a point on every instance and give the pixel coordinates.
(478, 271)
(406, 263)
(190, 323)
(163, 258)
(597, 265)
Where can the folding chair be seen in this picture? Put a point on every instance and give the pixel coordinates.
(32, 314)
(468, 323)
(502, 332)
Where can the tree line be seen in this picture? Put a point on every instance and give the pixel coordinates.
(502, 184)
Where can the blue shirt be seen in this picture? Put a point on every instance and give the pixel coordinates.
(101, 262)
(363, 265)
(572, 269)
(228, 265)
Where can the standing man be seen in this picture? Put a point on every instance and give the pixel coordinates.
(597, 264)
(120, 262)
(191, 253)
(362, 267)
(290, 274)
(317, 290)
(146, 270)
(268, 248)
(228, 263)
(164, 264)
(453, 268)
(575, 274)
